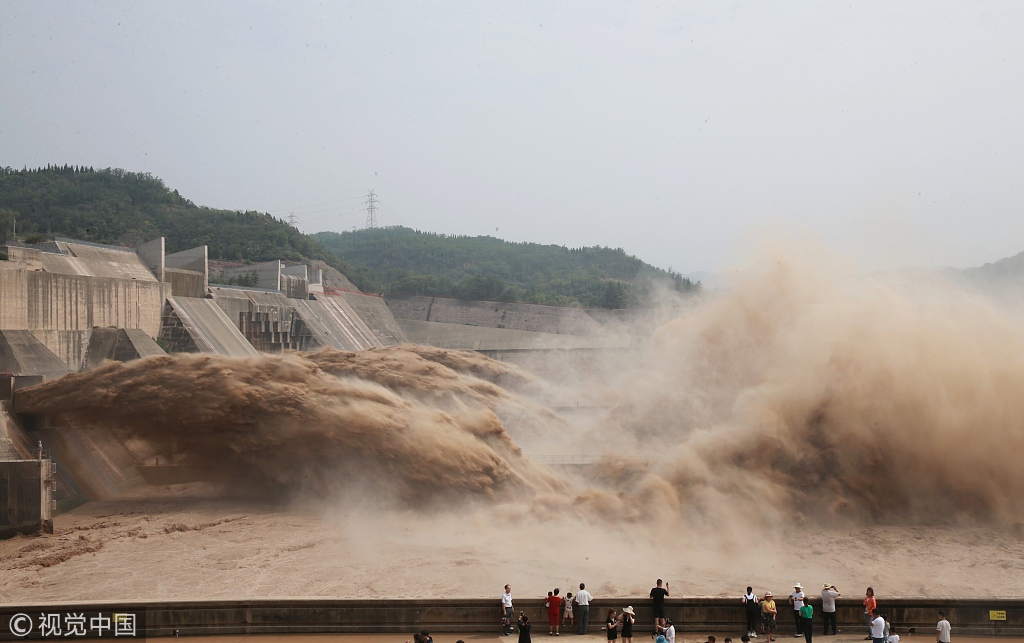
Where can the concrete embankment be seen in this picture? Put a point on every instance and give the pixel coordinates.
(914, 616)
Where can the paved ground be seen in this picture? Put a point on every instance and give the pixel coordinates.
(684, 637)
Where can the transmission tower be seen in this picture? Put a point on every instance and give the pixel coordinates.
(293, 220)
(371, 210)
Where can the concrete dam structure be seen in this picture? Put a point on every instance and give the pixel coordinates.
(68, 306)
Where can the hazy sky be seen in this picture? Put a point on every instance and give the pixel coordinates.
(679, 131)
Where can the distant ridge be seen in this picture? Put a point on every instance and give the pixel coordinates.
(412, 262)
(122, 208)
(118, 207)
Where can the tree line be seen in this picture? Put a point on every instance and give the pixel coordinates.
(407, 261)
(116, 206)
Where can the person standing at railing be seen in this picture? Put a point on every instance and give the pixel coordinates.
(807, 616)
(943, 629)
(870, 605)
(768, 615)
(583, 599)
(506, 611)
(829, 594)
(796, 599)
(628, 619)
(658, 594)
(752, 609)
(567, 612)
(554, 605)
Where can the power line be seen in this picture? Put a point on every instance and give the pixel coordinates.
(326, 216)
(352, 209)
(389, 214)
(313, 205)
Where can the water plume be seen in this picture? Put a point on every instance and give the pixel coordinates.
(807, 392)
(810, 392)
(285, 423)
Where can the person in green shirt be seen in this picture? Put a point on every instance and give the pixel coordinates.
(806, 615)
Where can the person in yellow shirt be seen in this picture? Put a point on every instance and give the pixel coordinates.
(768, 614)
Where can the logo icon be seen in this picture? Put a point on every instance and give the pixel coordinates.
(21, 625)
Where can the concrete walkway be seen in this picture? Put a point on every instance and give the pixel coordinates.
(684, 637)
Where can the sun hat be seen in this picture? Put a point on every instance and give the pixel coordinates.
(826, 585)
(797, 586)
(629, 610)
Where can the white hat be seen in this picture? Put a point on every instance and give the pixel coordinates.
(629, 610)
(798, 586)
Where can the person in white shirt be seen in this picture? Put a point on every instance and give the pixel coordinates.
(796, 599)
(506, 611)
(583, 599)
(829, 594)
(668, 630)
(878, 629)
(752, 608)
(893, 636)
(942, 630)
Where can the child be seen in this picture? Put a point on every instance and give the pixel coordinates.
(567, 612)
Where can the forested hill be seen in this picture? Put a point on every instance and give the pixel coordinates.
(412, 262)
(120, 207)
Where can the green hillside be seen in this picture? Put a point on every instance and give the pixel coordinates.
(120, 207)
(412, 262)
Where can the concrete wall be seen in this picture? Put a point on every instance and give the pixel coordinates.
(294, 287)
(62, 309)
(268, 273)
(195, 259)
(14, 298)
(152, 255)
(95, 260)
(185, 283)
(70, 346)
(375, 314)
(267, 319)
(317, 615)
(326, 321)
(25, 497)
(31, 257)
(315, 279)
(119, 345)
(22, 353)
(494, 314)
(199, 325)
(479, 338)
(65, 491)
(331, 277)
(332, 322)
(71, 302)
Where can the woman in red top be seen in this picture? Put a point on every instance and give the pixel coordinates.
(554, 612)
(869, 609)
